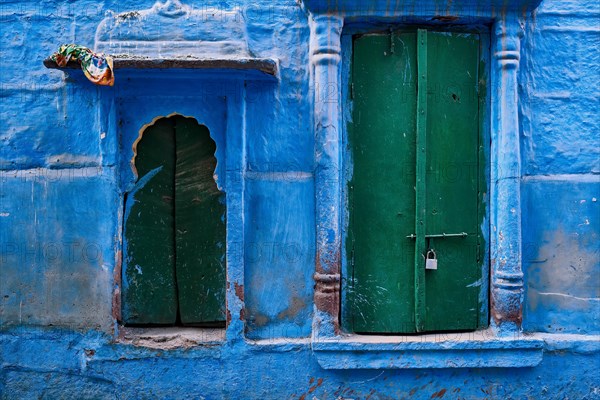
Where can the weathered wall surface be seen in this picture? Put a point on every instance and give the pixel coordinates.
(72, 366)
(64, 169)
(561, 167)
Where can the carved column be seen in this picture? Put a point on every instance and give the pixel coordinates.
(507, 274)
(325, 60)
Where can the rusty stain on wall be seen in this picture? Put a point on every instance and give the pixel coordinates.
(116, 301)
(297, 305)
(327, 285)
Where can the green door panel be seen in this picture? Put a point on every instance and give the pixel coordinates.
(149, 289)
(452, 291)
(199, 226)
(382, 188)
(386, 186)
(174, 269)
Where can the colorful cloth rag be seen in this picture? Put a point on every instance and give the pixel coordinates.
(97, 67)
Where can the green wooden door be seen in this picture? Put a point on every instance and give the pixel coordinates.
(416, 143)
(174, 262)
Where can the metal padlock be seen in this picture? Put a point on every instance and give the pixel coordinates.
(431, 260)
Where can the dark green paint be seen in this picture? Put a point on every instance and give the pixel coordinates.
(452, 181)
(175, 230)
(383, 147)
(417, 172)
(199, 226)
(150, 297)
(421, 184)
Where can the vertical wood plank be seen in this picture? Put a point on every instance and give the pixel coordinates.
(382, 139)
(420, 187)
(199, 226)
(452, 171)
(149, 289)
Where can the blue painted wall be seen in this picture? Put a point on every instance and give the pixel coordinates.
(65, 149)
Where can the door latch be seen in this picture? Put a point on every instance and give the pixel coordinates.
(440, 235)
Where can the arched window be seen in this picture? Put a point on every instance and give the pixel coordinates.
(174, 229)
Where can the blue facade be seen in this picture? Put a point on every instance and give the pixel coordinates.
(66, 147)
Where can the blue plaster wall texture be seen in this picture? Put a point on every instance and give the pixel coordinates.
(65, 151)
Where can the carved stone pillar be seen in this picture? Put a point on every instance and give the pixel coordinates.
(507, 274)
(325, 60)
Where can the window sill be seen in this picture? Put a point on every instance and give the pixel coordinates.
(481, 349)
(170, 338)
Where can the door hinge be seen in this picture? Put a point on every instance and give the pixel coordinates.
(478, 252)
(352, 90)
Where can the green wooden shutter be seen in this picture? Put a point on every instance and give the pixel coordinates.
(149, 290)
(199, 226)
(174, 266)
(415, 142)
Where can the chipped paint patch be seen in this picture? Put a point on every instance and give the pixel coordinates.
(477, 283)
(239, 291)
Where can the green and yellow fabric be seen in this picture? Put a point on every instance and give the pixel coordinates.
(97, 67)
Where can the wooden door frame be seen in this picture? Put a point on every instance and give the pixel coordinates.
(506, 288)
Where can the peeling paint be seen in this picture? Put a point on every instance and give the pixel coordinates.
(239, 291)
(66, 163)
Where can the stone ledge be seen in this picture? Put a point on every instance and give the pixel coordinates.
(267, 66)
(575, 343)
(401, 352)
